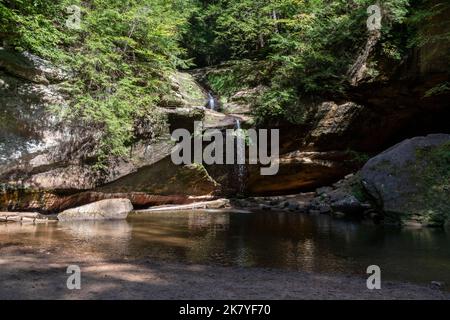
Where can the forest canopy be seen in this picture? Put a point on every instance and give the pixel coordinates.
(124, 50)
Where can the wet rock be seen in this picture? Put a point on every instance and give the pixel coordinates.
(265, 207)
(324, 209)
(413, 224)
(273, 202)
(348, 204)
(437, 284)
(293, 206)
(374, 215)
(112, 209)
(323, 191)
(339, 215)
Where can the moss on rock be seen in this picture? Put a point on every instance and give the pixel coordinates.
(411, 181)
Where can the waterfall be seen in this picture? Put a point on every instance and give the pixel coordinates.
(240, 168)
(211, 102)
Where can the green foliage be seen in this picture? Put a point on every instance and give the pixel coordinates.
(437, 33)
(237, 75)
(275, 102)
(425, 13)
(126, 49)
(35, 25)
(121, 58)
(433, 172)
(359, 192)
(304, 47)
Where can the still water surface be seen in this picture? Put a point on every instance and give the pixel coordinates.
(269, 240)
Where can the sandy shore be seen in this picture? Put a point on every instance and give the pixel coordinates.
(27, 274)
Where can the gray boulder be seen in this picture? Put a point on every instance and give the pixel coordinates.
(112, 209)
(411, 181)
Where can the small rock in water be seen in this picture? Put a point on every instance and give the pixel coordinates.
(324, 209)
(339, 215)
(293, 206)
(323, 190)
(348, 204)
(437, 284)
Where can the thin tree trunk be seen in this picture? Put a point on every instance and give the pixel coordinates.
(275, 17)
(359, 68)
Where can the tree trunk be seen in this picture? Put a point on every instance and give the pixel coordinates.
(359, 68)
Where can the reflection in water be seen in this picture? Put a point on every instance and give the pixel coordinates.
(273, 240)
(96, 229)
(204, 220)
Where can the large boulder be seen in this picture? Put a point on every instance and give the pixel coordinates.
(411, 181)
(111, 209)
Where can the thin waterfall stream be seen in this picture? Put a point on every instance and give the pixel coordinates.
(211, 102)
(240, 167)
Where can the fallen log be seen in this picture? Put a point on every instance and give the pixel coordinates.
(33, 215)
(216, 204)
(24, 217)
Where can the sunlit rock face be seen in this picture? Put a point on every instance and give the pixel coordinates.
(28, 87)
(37, 148)
(48, 163)
(26, 127)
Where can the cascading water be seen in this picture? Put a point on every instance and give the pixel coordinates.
(240, 167)
(211, 102)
